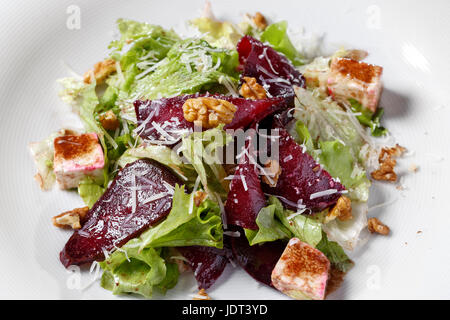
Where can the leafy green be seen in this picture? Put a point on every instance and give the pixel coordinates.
(269, 229)
(186, 224)
(90, 191)
(326, 120)
(203, 151)
(276, 35)
(142, 40)
(304, 227)
(217, 33)
(191, 66)
(368, 118)
(334, 252)
(135, 271)
(339, 162)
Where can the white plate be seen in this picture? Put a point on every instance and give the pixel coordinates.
(409, 39)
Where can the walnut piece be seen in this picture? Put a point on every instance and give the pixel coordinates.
(101, 71)
(208, 112)
(199, 197)
(273, 171)
(251, 89)
(342, 210)
(109, 120)
(260, 21)
(375, 225)
(387, 164)
(202, 295)
(70, 219)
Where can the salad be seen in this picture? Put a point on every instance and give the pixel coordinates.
(230, 146)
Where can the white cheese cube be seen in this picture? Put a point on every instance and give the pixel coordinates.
(301, 272)
(351, 79)
(75, 157)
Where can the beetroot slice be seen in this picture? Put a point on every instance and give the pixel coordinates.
(112, 221)
(301, 176)
(245, 198)
(258, 260)
(208, 263)
(167, 113)
(271, 69)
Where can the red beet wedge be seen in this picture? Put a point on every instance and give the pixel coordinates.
(207, 263)
(122, 212)
(271, 69)
(302, 180)
(245, 198)
(160, 120)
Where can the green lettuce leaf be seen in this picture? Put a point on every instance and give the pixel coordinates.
(186, 225)
(306, 228)
(90, 191)
(276, 35)
(134, 271)
(203, 151)
(191, 66)
(163, 155)
(368, 118)
(270, 229)
(334, 252)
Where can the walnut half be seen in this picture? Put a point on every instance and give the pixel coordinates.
(251, 89)
(342, 210)
(70, 219)
(208, 112)
(375, 225)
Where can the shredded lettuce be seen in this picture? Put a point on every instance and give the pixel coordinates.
(191, 66)
(276, 35)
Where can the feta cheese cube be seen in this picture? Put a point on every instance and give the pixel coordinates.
(355, 79)
(301, 272)
(75, 157)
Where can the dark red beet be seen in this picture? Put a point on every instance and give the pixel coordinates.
(301, 176)
(111, 222)
(168, 113)
(258, 260)
(271, 69)
(207, 263)
(245, 201)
